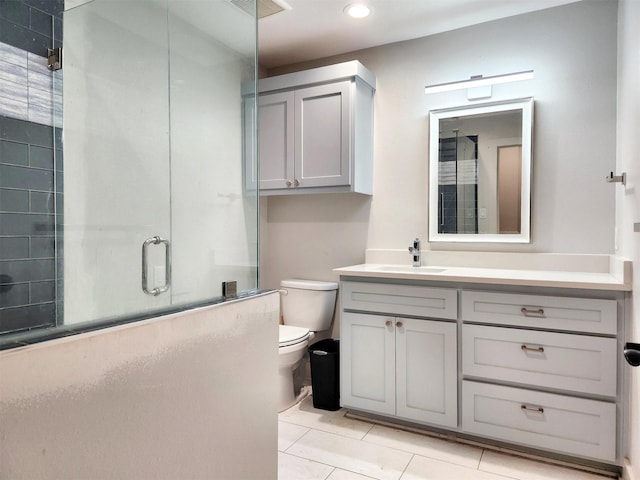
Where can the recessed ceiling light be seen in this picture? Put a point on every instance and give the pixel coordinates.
(357, 10)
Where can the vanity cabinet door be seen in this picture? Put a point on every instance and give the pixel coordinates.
(367, 362)
(426, 371)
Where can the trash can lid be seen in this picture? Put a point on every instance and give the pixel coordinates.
(308, 284)
(290, 335)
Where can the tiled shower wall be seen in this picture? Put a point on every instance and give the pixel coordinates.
(30, 163)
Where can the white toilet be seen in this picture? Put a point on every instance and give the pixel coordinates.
(307, 307)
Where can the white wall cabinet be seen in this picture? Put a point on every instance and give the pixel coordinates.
(315, 131)
(537, 371)
(403, 367)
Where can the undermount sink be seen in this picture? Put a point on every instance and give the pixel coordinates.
(408, 269)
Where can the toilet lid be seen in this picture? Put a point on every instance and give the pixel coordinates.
(290, 335)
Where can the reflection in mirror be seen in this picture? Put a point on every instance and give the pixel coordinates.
(480, 163)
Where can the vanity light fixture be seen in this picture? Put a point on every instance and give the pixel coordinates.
(357, 10)
(478, 81)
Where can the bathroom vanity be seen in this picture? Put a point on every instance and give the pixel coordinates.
(519, 357)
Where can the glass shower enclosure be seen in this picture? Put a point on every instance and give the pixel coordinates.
(155, 212)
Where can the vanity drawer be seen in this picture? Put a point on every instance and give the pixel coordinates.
(538, 311)
(575, 426)
(400, 299)
(547, 359)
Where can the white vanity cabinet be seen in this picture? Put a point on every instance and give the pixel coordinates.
(399, 366)
(554, 388)
(315, 131)
(530, 368)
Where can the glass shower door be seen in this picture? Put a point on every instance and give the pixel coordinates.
(153, 148)
(116, 152)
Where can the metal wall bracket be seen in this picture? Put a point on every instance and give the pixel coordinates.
(54, 59)
(229, 289)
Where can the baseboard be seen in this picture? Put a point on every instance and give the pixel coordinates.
(627, 471)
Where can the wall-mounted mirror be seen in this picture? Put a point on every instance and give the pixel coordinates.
(480, 172)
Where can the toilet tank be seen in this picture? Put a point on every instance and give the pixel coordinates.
(308, 303)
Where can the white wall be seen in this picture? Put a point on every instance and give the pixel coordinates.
(572, 50)
(190, 395)
(628, 198)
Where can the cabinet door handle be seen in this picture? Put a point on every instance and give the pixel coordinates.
(526, 348)
(539, 313)
(526, 408)
(388, 323)
(296, 182)
(399, 324)
(288, 183)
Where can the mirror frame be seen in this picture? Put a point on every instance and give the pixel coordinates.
(526, 106)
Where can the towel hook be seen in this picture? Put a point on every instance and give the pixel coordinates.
(617, 178)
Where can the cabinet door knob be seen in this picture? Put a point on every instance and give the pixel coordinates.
(388, 323)
(398, 324)
(288, 183)
(296, 182)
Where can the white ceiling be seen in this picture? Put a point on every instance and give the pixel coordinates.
(318, 28)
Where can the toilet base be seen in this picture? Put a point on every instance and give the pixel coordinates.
(287, 397)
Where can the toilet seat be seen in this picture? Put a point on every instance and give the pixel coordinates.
(290, 335)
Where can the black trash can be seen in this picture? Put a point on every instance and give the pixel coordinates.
(325, 374)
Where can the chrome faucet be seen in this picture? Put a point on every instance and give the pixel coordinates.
(415, 251)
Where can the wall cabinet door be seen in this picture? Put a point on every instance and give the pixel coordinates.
(322, 135)
(367, 362)
(276, 140)
(399, 366)
(426, 371)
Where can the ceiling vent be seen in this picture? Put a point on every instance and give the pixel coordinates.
(265, 7)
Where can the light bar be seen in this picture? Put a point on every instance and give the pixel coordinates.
(478, 81)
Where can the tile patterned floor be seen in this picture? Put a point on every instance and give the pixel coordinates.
(321, 445)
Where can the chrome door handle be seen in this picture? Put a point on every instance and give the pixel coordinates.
(145, 265)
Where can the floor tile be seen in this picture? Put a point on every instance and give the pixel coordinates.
(295, 468)
(333, 422)
(426, 446)
(288, 434)
(356, 456)
(423, 468)
(339, 474)
(525, 469)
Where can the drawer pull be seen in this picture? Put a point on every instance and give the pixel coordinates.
(526, 348)
(526, 408)
(539, 313)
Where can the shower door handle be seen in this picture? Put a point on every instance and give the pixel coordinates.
(145, 265)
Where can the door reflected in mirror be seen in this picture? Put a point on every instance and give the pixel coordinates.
(480, 164)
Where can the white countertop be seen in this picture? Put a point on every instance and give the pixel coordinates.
(617, 277)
